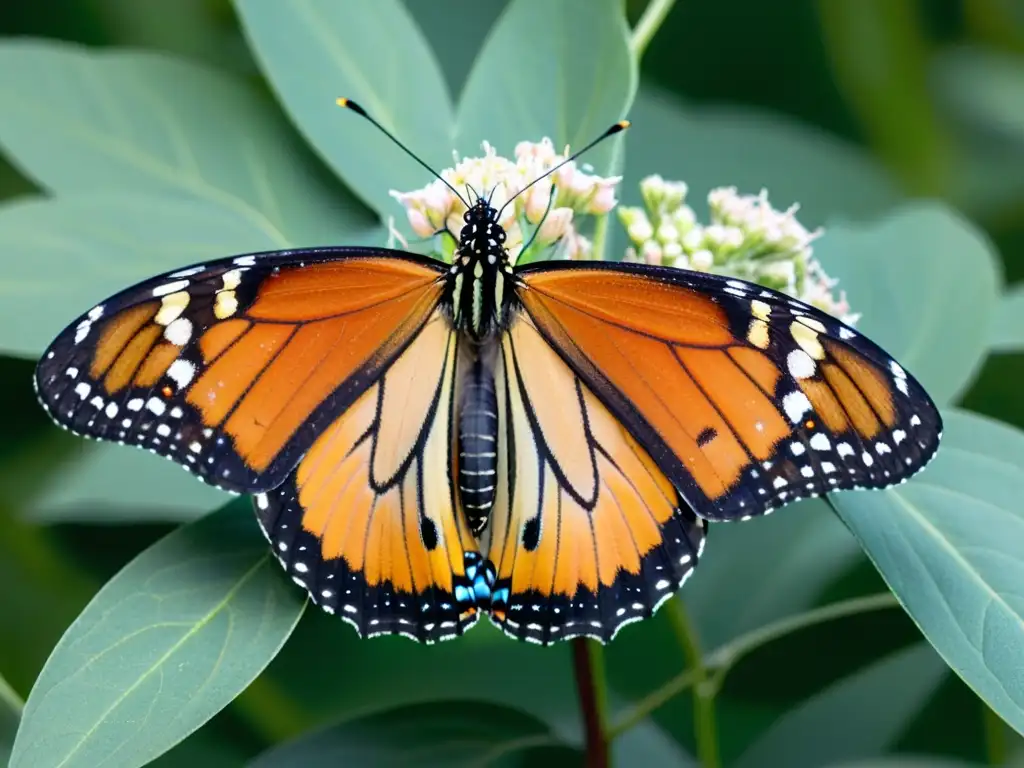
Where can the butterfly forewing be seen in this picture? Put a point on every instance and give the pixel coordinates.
(233, 368)
(747, 399)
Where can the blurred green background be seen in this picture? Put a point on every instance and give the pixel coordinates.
(930, 91)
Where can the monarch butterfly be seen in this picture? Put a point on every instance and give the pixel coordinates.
(428, 442)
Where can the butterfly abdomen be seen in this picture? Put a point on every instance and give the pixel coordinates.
(478, 460)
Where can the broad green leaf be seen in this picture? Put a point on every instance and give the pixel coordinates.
(10, 713)
(562, 70)
(164, 646)
(766, 569)
(860, 716)
(439, 733)
(950, 544)
(721, 146)
(925, 281)
(67, 254)
(77, 120)
(1007, 334)
(315, 51)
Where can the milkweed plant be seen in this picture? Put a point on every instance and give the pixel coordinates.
(161, 162)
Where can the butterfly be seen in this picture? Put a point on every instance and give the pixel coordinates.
(429, 442)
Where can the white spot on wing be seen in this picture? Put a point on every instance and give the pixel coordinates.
(179, 332)
(800, 364)
(181, 372)
(796, 404)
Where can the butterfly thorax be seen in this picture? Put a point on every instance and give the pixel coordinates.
(477, 283)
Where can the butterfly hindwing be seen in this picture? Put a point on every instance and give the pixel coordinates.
(745, 398)
(586, 534)
(368, 522)
(232, 368)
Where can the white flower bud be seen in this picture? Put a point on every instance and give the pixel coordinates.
(556, 225)
(702, 260)
(537, 199)
(684, 218)
(672, 251)
(651, 252)
(693, 239)
(603, 199)
(667, 233)
(640, 230)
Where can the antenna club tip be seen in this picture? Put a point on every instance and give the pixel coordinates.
(623, 124)
(349, 104)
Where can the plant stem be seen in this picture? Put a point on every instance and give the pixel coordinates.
(651, 20)
(723, 658)
(704, 727)
(590, 686)
(600, 238)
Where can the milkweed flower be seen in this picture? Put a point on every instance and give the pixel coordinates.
(554, 208)
(746, 237)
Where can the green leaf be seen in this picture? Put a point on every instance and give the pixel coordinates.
(1007, 334)
(439, 733)
(315, 51)
(562, 70)
(10, 714)
(719, 146)
(860, 716)
(925, 281)
(77, 120)
(950, 544)
(74, 250)
(164, 646)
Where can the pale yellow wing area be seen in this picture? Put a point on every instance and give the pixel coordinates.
(586, 533)
(368, 521)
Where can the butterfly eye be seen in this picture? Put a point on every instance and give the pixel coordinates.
(467, 216)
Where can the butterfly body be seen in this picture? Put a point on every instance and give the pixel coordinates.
(427, 443)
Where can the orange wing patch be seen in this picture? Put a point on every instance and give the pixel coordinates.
(744, 397)
(368, 522)
(233, 368)
(586, 534)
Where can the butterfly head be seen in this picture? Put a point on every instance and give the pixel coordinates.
(482, 238)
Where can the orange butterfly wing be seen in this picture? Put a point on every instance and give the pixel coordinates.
(586, 534)
(745, 398)
(233, 368)
(369, 522)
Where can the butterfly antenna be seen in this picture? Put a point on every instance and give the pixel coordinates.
(612, 130)
(472, 191)
(349, 104)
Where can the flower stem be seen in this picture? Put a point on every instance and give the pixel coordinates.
(590, 687)
(723, 658)
(704, 727)
(653, 16)
(715, 666)
(600, 238)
